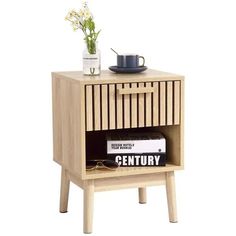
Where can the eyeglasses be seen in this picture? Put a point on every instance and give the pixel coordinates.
(101, 164)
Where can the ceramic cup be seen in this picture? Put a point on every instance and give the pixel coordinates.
(129, 61)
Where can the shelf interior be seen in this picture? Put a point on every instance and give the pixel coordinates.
(96, 149)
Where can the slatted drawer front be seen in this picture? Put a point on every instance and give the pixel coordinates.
(132, 105)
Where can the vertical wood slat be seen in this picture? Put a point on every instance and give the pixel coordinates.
(126, 108)
(141, 107)
(176, 102)
(148, 106)
(89, 108)
(104, 107)
(169, 103)
(119, 108)
(97, 108)
(162, 103)
(134, 110)
(112, 114)
(161, 108)
(155, 108)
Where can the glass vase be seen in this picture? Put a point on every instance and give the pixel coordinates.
(91, 61)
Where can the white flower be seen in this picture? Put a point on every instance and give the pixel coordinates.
(87, 14)
(84, 4)
(81, 13)
(75, 25)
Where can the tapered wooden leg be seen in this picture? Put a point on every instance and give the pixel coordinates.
(171, 198)
(142, 195)
(88, 206)
(65, 186)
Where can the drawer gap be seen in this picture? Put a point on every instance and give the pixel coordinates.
(123, 109)
(93, 110)
(159, 103)
(108, 105)
(152, 105)
(116, 126)
(166, 103)
(130, 108)
(144, 107)
(173, 102)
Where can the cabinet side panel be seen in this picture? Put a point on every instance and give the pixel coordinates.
(172, 134)
(182, 121)
(65, 94)
(57, 129)
(68, 124)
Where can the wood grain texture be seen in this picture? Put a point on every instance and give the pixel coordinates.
(88, 206)
(97, 108)
(128, 90)
(79, 130)
(169, 103)
(66, 113)
(124, 171)
(119, 108)
(104, 108)
(89, 108)
(181, 158)
(155, 108)
(112, 111)
(171, 198)
(141, 109)
(107, 77)
(69, 125)
(141, 181)
(57, 121)
(162, 103)
(79, 107)
(142, 195)
(173, 136)
(64, 194)
(148, 105)
(176, 102)
(134, 106)
(126, 108)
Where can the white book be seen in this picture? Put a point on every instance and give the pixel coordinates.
(136, 143)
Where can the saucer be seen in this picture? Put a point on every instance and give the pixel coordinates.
(127, 70)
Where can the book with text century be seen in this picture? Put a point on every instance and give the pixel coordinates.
(137, 149)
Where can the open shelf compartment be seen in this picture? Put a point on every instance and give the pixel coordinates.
(96, 149)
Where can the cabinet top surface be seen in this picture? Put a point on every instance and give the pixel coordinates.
(110, 77)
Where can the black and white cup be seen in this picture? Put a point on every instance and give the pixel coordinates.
(129, 61)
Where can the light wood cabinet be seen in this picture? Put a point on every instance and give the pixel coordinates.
(86, 108)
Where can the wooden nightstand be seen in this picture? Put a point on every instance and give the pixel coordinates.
(86, 108)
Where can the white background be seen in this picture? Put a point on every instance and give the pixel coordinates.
(193, 38)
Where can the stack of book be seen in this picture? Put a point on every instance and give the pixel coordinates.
(137, 149)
